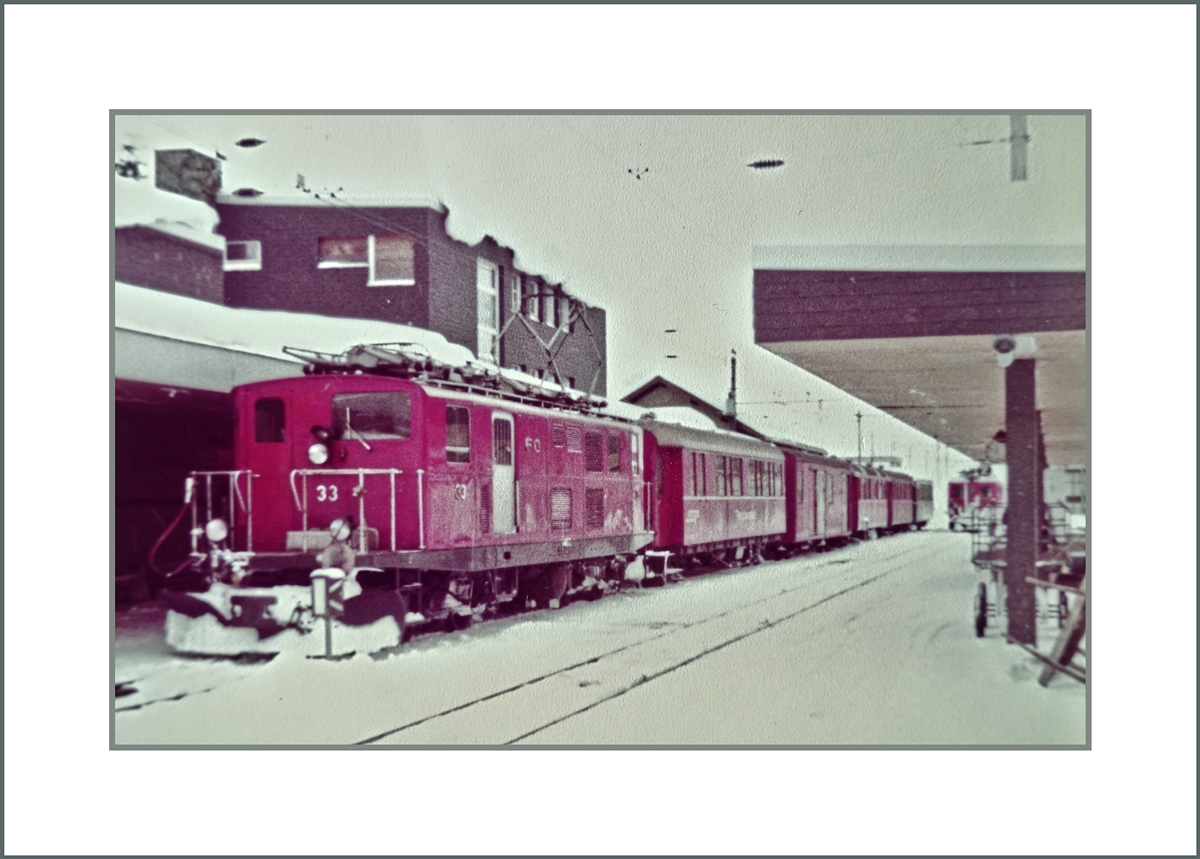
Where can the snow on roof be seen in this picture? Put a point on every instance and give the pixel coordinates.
(328, 201)
(139, 203)
(265, 332)
(682, 416)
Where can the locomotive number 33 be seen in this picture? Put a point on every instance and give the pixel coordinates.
(326, 493)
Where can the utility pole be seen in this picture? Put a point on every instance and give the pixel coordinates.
(731, 403)
(859, 416)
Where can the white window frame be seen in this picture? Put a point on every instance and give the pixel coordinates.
(372, 280)
(514, 293)
(564, 311)
(492, 293)
(533, 310)
(253, 261)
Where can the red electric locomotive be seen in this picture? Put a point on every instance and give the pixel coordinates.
(460, 494)
(712, 494)
(975, 504)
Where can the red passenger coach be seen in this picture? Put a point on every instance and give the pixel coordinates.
(902, 501)
(818, 492)
(713, 492)
(868, 500)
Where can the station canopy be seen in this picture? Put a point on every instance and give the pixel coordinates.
(914, 331)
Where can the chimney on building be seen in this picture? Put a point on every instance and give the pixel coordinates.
(187, 172)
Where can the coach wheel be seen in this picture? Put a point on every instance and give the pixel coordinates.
(981, 610)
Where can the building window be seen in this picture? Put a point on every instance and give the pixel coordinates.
(243, 256)
(614, 452)
(564, 312)
(268, 420)
(514, 292)
(487, 287)
(548, 306)
(532, 307)
(391, 259)
(458, 434)
(388, 259)
(342, 252)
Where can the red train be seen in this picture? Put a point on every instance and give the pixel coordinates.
(975, 503)
(427, 493)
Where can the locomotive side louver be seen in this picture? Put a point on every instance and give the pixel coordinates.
(594, 509)
(485, 508)
(593, 452)
(560, 510)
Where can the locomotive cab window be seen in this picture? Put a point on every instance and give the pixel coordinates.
(614, 452)
(383, 415)
(268, 420)
(458, 434)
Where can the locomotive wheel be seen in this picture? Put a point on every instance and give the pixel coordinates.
(558, 579)
(458, 622)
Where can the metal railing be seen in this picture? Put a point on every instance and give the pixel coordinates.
(234, 502)
(300, 497)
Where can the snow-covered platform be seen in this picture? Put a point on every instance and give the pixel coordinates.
(872, 644)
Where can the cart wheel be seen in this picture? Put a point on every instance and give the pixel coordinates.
(981, 610)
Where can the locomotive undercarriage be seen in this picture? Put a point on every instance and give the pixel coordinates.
(258, 600)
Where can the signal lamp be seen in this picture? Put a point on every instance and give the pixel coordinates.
(216, 530)
(318, 454)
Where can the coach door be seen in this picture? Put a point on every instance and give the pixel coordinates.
(820, 495)
(504, 494)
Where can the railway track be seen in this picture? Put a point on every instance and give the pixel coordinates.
(521, 711)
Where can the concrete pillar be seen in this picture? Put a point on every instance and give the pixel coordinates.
(1023, 514)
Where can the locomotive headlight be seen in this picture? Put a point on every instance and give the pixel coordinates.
(216, 530)
(318, 454)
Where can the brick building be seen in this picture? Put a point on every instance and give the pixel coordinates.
(399, 264)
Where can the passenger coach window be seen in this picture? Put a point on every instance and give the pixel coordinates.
(720, 470)
(735, 476)
(458, 434)
(268, 420)
(380, 415)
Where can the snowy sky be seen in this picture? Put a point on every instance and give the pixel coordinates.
(655, 217)
(1002, 58)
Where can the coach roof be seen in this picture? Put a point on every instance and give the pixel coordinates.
(715, 440)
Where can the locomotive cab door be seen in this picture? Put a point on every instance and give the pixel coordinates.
(820, 497)
(504, 495)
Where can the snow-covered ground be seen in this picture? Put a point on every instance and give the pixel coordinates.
(866, 645)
